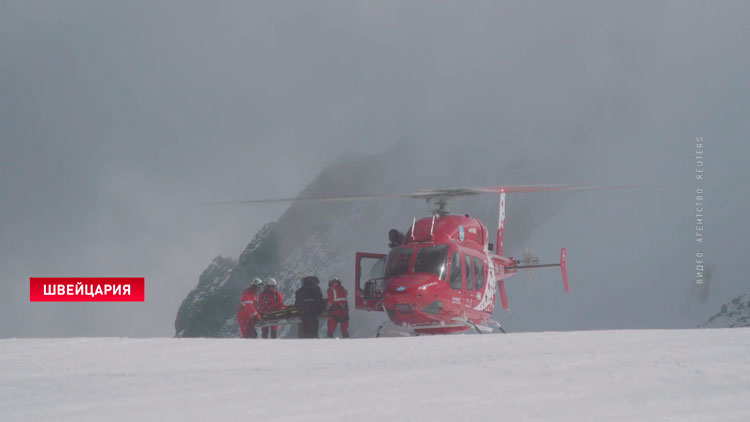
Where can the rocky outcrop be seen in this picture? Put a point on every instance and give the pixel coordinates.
(735, 313)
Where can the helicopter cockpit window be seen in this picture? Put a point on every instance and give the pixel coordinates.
(398, 261)
(469, 273)
(432, 259)
(478, 273)
(456, 272)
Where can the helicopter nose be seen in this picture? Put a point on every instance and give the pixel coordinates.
(411, 299)
(410, 283)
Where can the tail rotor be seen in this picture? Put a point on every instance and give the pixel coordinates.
(529, 259)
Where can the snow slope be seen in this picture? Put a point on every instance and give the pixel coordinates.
(676, 375)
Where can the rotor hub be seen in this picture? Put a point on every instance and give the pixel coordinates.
(439, 205)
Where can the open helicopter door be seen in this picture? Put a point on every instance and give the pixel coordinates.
(369, 281)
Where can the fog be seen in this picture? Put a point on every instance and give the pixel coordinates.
(120, 121)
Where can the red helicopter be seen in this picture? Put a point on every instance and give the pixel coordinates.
(442, 275)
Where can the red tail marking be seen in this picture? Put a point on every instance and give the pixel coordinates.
(500, 223)
(564, 269)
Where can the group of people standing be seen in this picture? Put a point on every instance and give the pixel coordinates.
(308, 300)
(259, 297)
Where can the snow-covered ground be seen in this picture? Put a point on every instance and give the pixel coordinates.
(678, 375)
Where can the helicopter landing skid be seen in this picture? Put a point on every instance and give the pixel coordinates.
(394, 330)
(497, 324)
(481, 329)
(391, 329)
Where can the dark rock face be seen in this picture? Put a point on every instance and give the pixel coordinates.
(200, 312)
(206, 309)
(735, 313)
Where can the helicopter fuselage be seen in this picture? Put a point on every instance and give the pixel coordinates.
(442, 279)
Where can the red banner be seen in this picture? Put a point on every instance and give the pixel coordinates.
(87, 289)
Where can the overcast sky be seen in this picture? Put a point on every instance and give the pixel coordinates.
(117, 119)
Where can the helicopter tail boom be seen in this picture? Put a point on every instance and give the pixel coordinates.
(562, 264)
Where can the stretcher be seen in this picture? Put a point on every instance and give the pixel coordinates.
(288, 315)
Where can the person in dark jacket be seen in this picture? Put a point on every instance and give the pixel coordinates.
(309, 302)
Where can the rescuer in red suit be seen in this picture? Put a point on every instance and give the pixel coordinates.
(247, 310)
(337, 308)
(271, 300)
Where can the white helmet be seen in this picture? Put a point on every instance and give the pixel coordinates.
(257, 282)
(271, 281)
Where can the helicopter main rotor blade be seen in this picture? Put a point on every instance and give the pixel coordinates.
(317, 199)
(434, 193)
(550, 188)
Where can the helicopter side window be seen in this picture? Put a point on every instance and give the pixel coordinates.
(456, 272)
(432, 259)
(376, 270)
(373, 288)
(398, 261)
(469, 273)
(478, 273)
